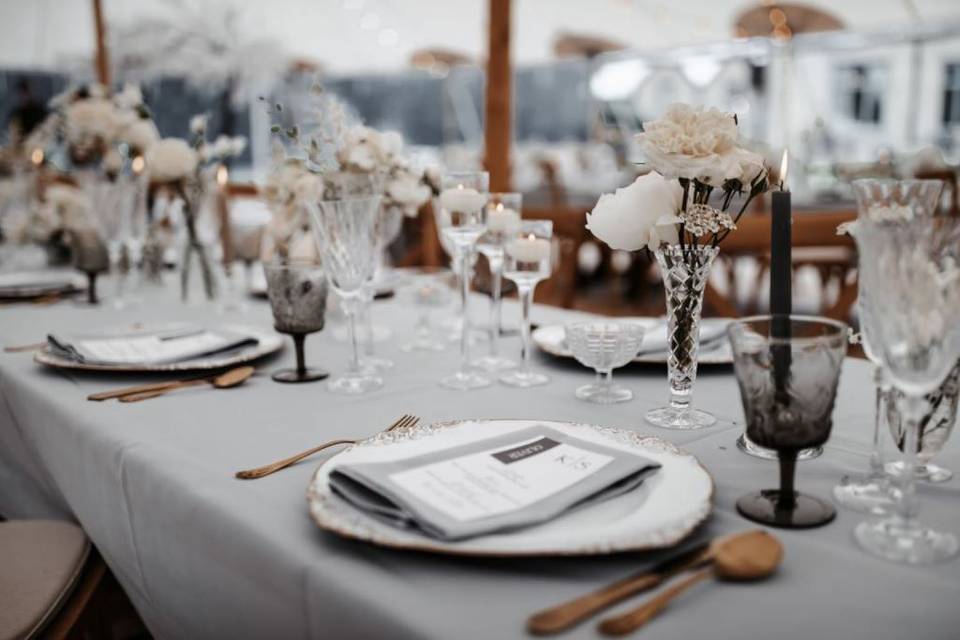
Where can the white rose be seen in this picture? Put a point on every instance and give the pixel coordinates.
(408, 192)
(643, 214)
(140, 134)
(362, 149)
(91, 120)
(697, 143)
(391, 144)
(170, 159)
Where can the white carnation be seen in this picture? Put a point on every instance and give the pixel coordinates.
(170, 159)
(643, 214)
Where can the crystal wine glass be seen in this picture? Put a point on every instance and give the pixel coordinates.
(881, 199)
(345, 230)
(460, 212)
(910, 269)
(787, 368)
(113, 204)
(427, 290)
(604, 346)
(298, 299)
(503, 221)
(527, 262)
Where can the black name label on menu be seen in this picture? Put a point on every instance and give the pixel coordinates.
(525, 450)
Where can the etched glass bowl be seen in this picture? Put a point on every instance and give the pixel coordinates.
(604, 346)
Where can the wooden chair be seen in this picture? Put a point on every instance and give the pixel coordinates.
(949, 179)
(815, 244)
(49, 574)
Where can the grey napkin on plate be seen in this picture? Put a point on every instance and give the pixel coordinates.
(490, 471)
(162, 345)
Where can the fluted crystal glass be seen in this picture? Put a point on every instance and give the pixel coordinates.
(346, 233)
(460, 211)
(604, 346)
(910, 268)
(787, 368)
(685, 270)
(873, 490)
(528, 256)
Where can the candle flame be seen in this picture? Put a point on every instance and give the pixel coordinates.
(531, 237)
(36, 157)
(138, 165)
(222, 175)
(784, 166)
(499, 206)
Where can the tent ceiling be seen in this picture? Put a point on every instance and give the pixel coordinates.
(347, 36)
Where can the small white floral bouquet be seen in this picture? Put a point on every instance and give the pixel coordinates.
(188, 170)
(698, 171)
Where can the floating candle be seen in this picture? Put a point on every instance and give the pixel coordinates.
(501, 219)
(462, 199)
(529, 249)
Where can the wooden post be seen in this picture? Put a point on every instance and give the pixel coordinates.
(103, 57)
(498, 128)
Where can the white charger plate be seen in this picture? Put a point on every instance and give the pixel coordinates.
(552, 339)
(661, 513)
(25, 285)
(267, 342)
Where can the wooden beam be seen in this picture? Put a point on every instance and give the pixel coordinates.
(498, 128)
(103, 56)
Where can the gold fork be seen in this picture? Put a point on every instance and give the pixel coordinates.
(405, 422)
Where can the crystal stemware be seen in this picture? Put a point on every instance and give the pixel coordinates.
(936, 426)
(298, 299)
(427, 290)
(604, 346)
(872, 491)
(113, 204)
(345, 230)
(528, 258)
(909, 267)
(787, 368)
(503, 220)
(460, 212)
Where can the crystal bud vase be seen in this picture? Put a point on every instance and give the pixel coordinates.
(685, 270)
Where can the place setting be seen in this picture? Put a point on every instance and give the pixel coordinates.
(357, 335)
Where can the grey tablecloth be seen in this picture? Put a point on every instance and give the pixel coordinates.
(203, 555)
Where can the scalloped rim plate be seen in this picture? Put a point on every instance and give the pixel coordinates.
(28, 285)
(551, 339)
(660, 514)
(268, 342)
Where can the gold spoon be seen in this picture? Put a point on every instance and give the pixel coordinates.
(751, 555)
(232, 378)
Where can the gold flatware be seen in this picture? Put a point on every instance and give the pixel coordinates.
(751, 555)
(20, 348)
(227, 380)
(154, 386)
(565, 615)
(405, 422)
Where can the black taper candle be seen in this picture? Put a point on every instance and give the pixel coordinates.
(781, 305)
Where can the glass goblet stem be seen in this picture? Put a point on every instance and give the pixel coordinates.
(464, 294)
(92, 287)
(496, 302)
(298, 340)
(526, 298)
(354, 365)
(876, 455)
(911, 407)
(787, 498)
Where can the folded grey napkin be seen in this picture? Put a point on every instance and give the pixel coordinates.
(497, 484)
(173, 343)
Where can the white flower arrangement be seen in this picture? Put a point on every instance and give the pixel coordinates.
(698, 170)
(170, 160)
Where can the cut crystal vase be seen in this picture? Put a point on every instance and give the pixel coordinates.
(685, 271)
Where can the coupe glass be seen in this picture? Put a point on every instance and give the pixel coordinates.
(604, 346)
(528, 256)
(935, 428)
(503, 221)
(910, 270)
(881, 199)
(298, 299)
(345, 230)
(460, 211)
(426, 291)
(787, 368)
